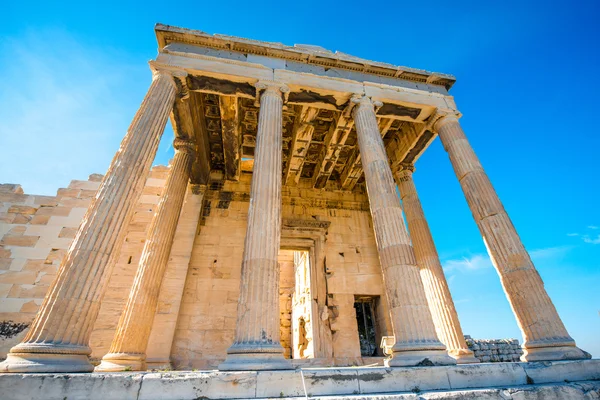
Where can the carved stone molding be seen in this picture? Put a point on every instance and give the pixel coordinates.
(274, 87)
(198, 189)
(362, 100)
(185, 146)
(304, 224)
(178, 74)
(441, 118)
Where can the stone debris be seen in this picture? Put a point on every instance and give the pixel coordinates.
(495, 350)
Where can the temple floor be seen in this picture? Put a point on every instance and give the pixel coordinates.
(547, 380)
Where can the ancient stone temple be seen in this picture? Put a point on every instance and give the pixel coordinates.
(274, 243)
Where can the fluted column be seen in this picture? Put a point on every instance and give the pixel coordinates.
(128, 349)
(256, 344)
(58, 339)
(545, 336)
(437, 292)
(416, 339)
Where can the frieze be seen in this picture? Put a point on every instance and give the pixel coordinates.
(305, 224)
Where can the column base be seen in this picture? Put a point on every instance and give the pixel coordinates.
(255, 362)
(420, 358)
(45, 362)
(463, 356)
(557, 353)
(122, 362)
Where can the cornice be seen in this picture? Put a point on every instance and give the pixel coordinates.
(315, 55)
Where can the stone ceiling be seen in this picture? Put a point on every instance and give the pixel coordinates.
(319, 145)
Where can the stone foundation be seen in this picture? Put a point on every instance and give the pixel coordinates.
(548, 380)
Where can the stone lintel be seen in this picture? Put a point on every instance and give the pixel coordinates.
(334, 92)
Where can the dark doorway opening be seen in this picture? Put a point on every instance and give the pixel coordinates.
(367, 325)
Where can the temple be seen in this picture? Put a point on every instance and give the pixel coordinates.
(286, 232)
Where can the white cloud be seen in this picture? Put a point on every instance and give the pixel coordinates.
(65, 108)
(482, 261)
(472, 263)
(549, 253)
(593, 239)
(590, 240)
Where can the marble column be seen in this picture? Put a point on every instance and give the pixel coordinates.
(416, 339)
(437, 292)
(545, 336)
(58, 339)
(256, 343)
(128, 348)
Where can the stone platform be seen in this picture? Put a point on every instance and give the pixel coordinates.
(547, 380)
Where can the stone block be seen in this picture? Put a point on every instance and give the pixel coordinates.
(387, 380)
(21, 209)
(329, 381)
(18, 277)
(179, 386)
(21, 241)
(72, 386)
(279, 384)
(483, 375)
(558, 371)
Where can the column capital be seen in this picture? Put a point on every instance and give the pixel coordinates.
(366, 101)
(177, 75)
(184, 146)
(441, 118)
(406, 167)
(273, 87)
(157, 67)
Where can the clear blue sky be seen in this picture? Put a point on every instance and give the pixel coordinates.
(74, 74)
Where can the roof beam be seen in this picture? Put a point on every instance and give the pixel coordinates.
(353, 170)
(334, 141)
(187, 119)
(302, 135)
(230, 134)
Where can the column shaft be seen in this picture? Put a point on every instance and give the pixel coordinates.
(58, 339)
(128, 349)
(437, 292)
(416, 339)
(256, 344)
(545, 336)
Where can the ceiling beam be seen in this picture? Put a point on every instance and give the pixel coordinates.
(230, 134)
(187, 119)
(302, 135)
(334, 141)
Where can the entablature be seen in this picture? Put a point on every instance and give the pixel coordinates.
(319, 139)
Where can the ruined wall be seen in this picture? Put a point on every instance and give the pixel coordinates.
(35, 232)
(495, 350)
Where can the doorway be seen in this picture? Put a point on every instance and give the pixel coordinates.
(295, 304)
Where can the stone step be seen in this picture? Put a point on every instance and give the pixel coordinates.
(559, 379)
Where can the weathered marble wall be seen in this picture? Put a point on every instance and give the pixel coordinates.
(35, 232)
(207, 317)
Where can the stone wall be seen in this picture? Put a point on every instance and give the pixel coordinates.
(349, 267)
(495, 350)
(35, 232)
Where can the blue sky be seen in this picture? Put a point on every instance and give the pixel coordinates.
(73, 76)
